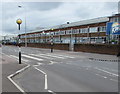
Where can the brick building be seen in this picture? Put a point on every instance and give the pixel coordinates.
(91, 31)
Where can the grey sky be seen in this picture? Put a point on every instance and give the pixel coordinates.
(45, 14)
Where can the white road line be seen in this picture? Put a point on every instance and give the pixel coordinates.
(38, 64)
(17, 72)
(52, 56)
(101, 76)
(52, 62)
(46, 78)
(111, 69)
(46, 86)
(106, 71)
(114, 80)
(25, 60)
(32, 57)
(51, 91)
(40, 56)
(61, 55)
(15, 84)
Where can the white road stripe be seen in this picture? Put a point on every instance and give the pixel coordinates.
(46, 86)
(17, 72)
(106, 71)
(61, 55)
(51, 91)
(52, 56)
(40, 56)
(15, 84)
(32, 57)
(52, 62)
(46, 78)
(114, 80)
(101, 76)
(18, 58)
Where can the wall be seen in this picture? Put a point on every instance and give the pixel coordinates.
(112, 49)
(58, 46)
(98, 48)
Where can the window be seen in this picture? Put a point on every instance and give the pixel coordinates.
(102, 29)
(68, 32)
(115, 19)
(62, 32)
(57, 33)
(75, 31)
(52, 33)
(84, 30)
(56, 40)
(27, 36)
(36, 35)
(22, 36)
(47, 34)
(80, 30)
(93, 29)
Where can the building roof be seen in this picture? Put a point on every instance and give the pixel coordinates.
(79, 23)
(84, 22)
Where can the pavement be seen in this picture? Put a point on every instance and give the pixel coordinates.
(63, 71)
(9, 66)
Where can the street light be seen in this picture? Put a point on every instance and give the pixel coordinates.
(19, 21)
(25, 27)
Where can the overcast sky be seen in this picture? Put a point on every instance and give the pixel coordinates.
(46, 14)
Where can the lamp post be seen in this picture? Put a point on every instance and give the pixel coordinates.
(52, 41)
(19, 21)
(25, 27)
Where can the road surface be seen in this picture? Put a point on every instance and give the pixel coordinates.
(65, 71)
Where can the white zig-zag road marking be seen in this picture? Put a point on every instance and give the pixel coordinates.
(17, 72)
(46, 86)
(46, 78)
(38, 59)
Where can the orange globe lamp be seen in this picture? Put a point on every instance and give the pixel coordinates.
(18, 21)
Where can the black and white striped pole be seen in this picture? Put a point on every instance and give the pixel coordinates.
(52, 42)
(19, 21)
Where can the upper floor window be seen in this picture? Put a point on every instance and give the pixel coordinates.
(93, 29)
(68, 31)
(84, 30)
(62, 32)
(47, 34)
(115, 19)
(75, 31)
(51, 33)
(102, 29)
(57, 33)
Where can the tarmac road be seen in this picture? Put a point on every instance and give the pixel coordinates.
(64, 71)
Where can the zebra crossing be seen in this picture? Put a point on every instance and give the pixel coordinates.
(42, 57)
